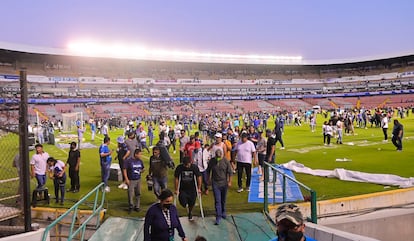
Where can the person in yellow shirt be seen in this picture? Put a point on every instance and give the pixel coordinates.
(226, 142)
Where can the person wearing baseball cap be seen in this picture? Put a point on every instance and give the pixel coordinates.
(290, 224)
(123, 152)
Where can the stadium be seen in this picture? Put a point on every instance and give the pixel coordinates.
(118, 91)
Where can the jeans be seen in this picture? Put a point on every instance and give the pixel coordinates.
(160, 183)
(248, 168)
(134, 192)
(59, 184)
(41, 180)
(339, 140)
(105, 169)
(204, 176)
(220, 193)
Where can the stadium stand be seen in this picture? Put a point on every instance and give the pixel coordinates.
(61, 84)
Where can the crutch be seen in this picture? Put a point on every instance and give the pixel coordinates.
(199, 198)
(178, 190)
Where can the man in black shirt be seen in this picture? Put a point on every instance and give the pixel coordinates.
(270, 146)
(397, 135)
(74, 162)
(186, 176)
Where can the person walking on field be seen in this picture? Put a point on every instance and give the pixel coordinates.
(132, 170)
(158, 171)
(329, 133)
(123, 153)
(187, 184)
(384, 125)
(219, 172)
(74, 164)
(261, 151)
(339, 128)
(80, 135)
(106, 158)
(57, 173)
(278, 133)
(38, 165)
(246, 153)
(397, 135)
(143, 139)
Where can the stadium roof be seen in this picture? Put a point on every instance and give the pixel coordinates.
(203, 57)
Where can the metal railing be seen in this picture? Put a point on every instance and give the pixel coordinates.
(74, 211)
(268, 167)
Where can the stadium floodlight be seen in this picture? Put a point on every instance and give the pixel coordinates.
(119, 50)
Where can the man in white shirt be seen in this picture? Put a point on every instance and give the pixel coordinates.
(246, 154)
(38, 165)
(384, 125)
(143, 139)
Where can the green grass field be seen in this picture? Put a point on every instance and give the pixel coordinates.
(367, 154)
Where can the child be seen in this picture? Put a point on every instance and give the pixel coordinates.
(132, 170)
(57, 173)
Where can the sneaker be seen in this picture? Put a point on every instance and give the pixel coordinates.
(107, 189)
(174, 152)
(125, 187)
(248, 189)
(121, 186)
(75, 191)
(240, 190)
(282, 148)
(137, 209)
(190, 217)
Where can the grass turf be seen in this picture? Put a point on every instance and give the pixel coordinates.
(365, 149)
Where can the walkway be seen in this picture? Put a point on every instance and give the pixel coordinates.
(246, 227)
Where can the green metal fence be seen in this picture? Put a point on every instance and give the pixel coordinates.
(270, 168)
(74, 230)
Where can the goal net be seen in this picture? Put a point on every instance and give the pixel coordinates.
(70, 121)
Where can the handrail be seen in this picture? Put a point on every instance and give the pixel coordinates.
(74, 209)
(270, 167)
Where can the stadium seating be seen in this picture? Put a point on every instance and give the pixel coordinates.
(232, 88)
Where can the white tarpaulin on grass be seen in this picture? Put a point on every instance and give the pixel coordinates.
(353, 176)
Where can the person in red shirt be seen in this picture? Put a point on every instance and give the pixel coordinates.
(189, 148)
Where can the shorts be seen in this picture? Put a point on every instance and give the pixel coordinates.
(187, 198)
(261, 158)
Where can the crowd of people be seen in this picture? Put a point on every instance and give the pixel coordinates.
(212, 148)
